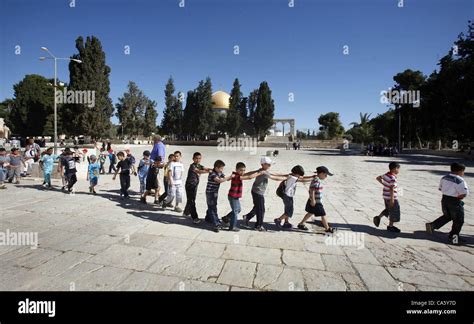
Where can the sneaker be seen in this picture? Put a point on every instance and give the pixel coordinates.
(196, 221)
(178, 210)
(3, 186)
(143, 200)
(63, 188)
(302, 227)
(393, 229)
(235, 229)
(94, 192)
(44, 185)
(454, 239)
(277, 223)
(217, 228)
(185, 214)
(429, 228)
(377, 221)
(287, 225)
(260, 229)
(246, 221)
(330, 230)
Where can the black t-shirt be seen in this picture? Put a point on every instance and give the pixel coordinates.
(69, 163)
(193, 177)
(124, 166)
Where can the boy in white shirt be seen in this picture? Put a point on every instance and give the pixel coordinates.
(175, 179)
(454, 190)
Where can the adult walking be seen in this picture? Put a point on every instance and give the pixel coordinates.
(158, 150)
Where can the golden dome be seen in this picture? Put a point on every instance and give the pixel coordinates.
(220, 100)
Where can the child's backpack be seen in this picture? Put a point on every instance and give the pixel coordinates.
(281, 189)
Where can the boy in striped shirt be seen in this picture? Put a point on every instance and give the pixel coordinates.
(235, 193)
(212, 193)
(390, 197)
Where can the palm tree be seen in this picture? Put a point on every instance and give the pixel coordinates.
(362, 130)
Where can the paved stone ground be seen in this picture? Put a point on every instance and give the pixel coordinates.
(103, 243)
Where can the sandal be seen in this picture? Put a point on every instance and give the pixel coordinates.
(302, 227)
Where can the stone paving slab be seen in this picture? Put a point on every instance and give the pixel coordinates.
(101, 242)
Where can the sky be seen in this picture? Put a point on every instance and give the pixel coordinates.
(298, 50)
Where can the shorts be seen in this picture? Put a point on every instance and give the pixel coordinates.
(317, 210)
(288, 202)
(392, 213)
(152, 185)
(94, 181)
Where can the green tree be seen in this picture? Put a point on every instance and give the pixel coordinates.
(149, 126)
(173, 114)
(90, 75)
(6, 106)
(205, 117)
(331, 126)
(252, 105)
(234, 119)
(190, 115)
(362, 131)
(131, 110)
(32, 107)
(264, 111)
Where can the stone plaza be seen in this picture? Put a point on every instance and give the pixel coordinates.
(102, 242)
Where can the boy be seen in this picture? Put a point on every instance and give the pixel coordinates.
(47, 163)
(314, 206)
(175, 179)
(390, 197)
(102, 159)
(124, 167)
(132, 159)
(235, 193)
(93, 171)
(191, 186)
(152, 181)
(16, 164)
(454, 190)
(258, 193)
(69, 164)
(166, 182)
(3, 167)
(216, 177)
(143, 167)
(287, 194)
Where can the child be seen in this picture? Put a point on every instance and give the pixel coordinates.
(124, 166)
(288, 192)
(16, 163)
(112, 159)
(390, 197)
(69, 164)
(93, 171)
(29, 158)
(143, 167)
(258, 193)
(131, 158)
(216, 177)
(102, 159)
(192, 182)
(175, 179)
(235, 193)
(3, 167)
(314, 206)
(166, 182)
(454, 190)
(47, 162)
(152, 181)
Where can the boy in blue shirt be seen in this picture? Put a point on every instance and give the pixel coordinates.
(143, 168)
(93, 171)
(47, 163)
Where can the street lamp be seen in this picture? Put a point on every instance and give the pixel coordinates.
(52, 57)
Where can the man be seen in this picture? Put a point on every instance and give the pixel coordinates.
(158, 149)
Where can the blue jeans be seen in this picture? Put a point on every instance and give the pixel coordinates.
(211, 214)
(234, 214)
(258, 209)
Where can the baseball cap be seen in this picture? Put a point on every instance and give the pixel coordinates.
(323, 169)
(265, 160)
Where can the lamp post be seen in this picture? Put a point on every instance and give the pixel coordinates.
(52, 57)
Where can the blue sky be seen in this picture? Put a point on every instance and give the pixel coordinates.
(298, 50)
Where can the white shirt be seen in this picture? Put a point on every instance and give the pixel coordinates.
(453, 185)
(176, 169)
(290, 186)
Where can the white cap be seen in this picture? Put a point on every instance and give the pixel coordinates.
(265, 160)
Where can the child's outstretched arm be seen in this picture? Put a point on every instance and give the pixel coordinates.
(250, 175)
(279, 177)
(379, 179)
(116, 171)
